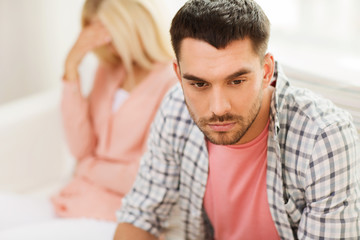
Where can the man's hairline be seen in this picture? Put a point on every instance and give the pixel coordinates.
(178, 54)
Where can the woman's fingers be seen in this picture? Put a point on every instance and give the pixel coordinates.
(91, 37)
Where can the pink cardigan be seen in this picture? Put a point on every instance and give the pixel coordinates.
(107, 145)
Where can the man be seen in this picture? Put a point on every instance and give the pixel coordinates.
(241, 152)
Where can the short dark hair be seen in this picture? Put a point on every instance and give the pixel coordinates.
(219, 22)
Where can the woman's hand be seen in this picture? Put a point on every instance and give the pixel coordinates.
(90, 37)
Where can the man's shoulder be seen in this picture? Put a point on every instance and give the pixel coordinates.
(173, 103)
(302, 105)
(174, 124)
(175, 94)
(319, 108)
(173, 109)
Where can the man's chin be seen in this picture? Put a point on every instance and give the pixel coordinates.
(221, 138)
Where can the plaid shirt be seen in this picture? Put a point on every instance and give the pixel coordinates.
(312, 182)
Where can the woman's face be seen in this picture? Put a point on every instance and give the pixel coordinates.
(107, 52)
(109, 45)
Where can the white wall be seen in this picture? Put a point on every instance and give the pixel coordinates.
(34, 38)
(319, 37)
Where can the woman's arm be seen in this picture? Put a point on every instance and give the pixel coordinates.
(75, 108)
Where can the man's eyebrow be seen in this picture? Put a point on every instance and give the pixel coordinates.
(230, 77)
(192, 77)
(238, 73)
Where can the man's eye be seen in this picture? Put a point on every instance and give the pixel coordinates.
(237, 82)
(199, 84)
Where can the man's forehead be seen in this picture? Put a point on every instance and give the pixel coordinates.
(191, 46)
(195, 55)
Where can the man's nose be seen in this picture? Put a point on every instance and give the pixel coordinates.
(219, 102)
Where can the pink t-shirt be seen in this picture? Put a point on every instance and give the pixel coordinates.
(236, 199)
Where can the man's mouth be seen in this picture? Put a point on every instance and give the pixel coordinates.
(221, 127)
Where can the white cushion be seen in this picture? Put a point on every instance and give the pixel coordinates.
(61, 229)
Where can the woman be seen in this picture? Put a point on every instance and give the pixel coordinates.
(107, 131)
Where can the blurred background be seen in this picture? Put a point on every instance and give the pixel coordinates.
(319, 37)
(35, 37)
(316, 41)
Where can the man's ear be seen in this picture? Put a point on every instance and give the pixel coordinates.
(177, 70)
(269, 67)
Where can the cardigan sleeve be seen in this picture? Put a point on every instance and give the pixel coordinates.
(155, 191)
(77, 121)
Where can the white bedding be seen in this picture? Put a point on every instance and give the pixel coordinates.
(62, 229)
(32, 217)
(18, 210)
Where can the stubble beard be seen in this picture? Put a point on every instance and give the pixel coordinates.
(227, 138)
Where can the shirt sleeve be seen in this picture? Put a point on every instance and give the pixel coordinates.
(155, 191)
(77, 120)
(332, 193)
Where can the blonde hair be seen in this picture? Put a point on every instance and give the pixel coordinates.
(138, 29)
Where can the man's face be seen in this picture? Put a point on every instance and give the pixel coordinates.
(223, 88)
